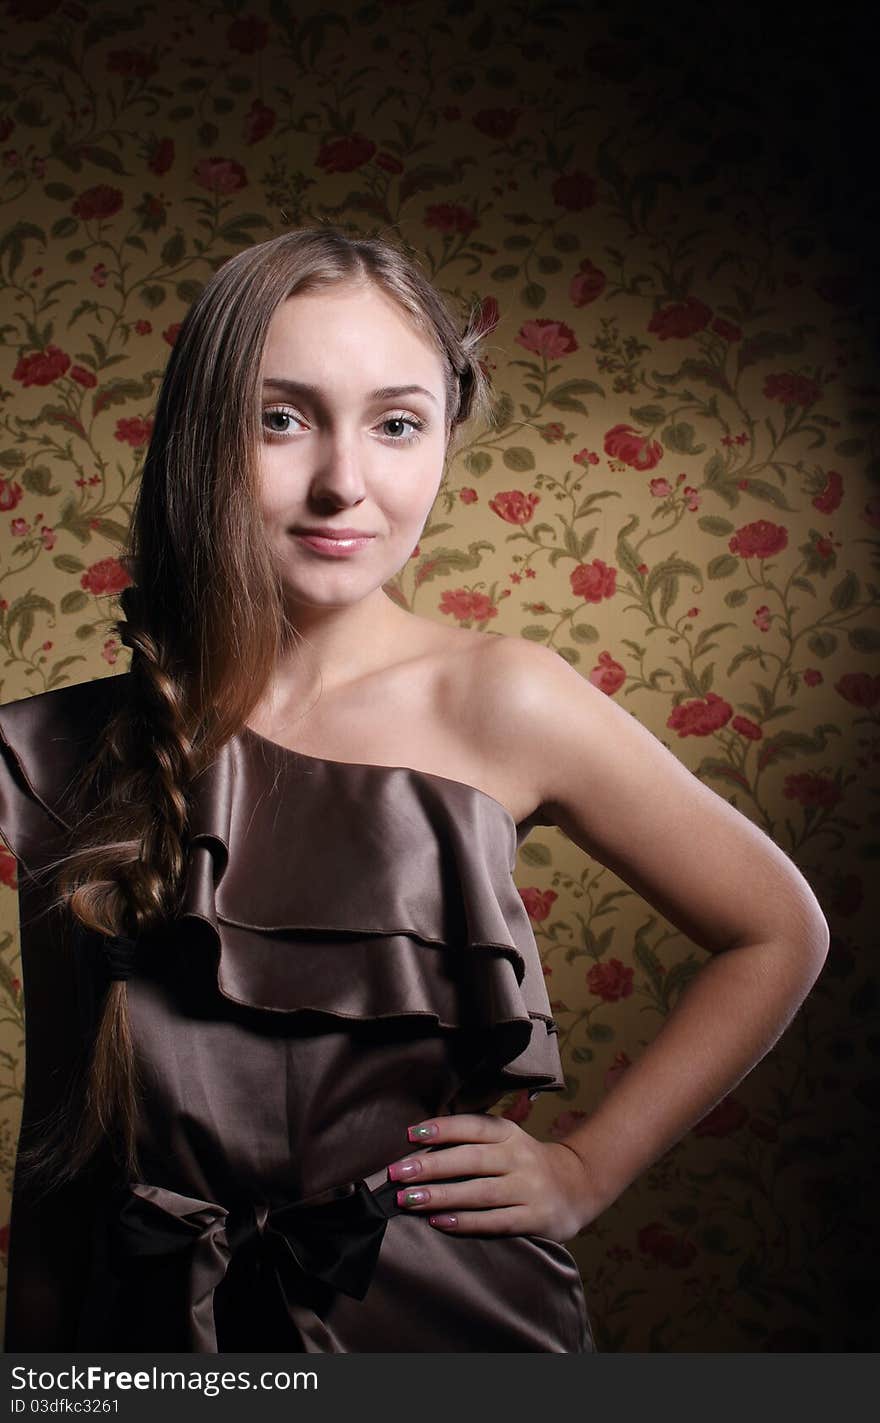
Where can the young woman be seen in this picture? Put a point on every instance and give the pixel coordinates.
(276, 966)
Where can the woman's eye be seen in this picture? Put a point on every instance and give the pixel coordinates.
(278, 412)
(398, 435)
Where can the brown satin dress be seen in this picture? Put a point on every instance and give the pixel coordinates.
(352, 955)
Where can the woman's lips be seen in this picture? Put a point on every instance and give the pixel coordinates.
(336, 548)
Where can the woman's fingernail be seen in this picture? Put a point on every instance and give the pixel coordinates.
(446, 1222)
(413, 1198)
(420, 1133)
(404, 1170)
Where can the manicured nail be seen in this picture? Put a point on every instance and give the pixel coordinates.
(404, 1170)
(445, 1222)
(420, 1133)
(413, 1198)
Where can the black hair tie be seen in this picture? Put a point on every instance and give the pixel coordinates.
(120, 955)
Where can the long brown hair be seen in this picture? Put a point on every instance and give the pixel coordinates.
(204, 620)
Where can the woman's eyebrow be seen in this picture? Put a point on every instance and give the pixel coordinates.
(387, 392)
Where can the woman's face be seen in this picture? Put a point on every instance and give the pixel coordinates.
(348, 442)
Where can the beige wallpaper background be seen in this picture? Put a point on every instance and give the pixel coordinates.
(681, 496)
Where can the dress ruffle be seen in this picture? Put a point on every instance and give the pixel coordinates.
(348, 890)
(368, 892)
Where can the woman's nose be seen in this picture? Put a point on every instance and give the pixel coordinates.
(340, 469)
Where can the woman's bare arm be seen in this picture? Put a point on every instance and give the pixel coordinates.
(616, 791)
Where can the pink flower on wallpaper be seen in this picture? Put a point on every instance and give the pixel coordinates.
(450, 218)
(132, 63)
(388, 162)
(171, 332)
(574, 191)
(762, 618)
(658, 1242)
(792, 389)
(593, 581)
(625, 444)
(467, 606)
(749, 729)
(41, 368)
(258, 122)
(134, 430)
(10, 494)
(497, 123)
(488, 315)
(519, 1108)
(700, 717)
(468, 495)
(812, 790)
(545, 337)
(514, 506)
(538, 902)
(859, 688)
(618, 1067)
(608, 675)
(812, 677)
(83, 377)
(831, 495)
(761, 539)
(100, 201)
(681, 319)
(587, 284)
(8, 868)
(105, 577)
(161, 156)
(610, 980)
(219, 175)
(247, 34)
(343, 155)
(726, 329)
(727, 1117)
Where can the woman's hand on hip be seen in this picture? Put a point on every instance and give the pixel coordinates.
(513, 1184)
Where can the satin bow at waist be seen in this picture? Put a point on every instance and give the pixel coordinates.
(333, 1237)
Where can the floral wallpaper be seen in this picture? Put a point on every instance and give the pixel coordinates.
(680, 494)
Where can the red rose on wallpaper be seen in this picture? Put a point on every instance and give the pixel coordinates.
(593, 581)
(219, 175)
(538, 902)
(8, 868)
(105, 577)
(574, 191)
(100, 201)
(161, 157)
(10, 494)
(545, 337)
(83, 377)
(830, 498)
(624, 443)
(467, 606)
(792, 389)
(514, 506)
(258, 122)
(42, 367)
(610, 980)
(587, 284)
(450, 218)
(608, 675)
(749, 729)
(134, 430)
(497, 123)
(247, 34)
(664, 1247)
(683, 318)
(762, 539)
(812, 790)
(726, 329)
(728, 1116)
(700, 718)
(343, 155)
(489, 315)
(859, 688)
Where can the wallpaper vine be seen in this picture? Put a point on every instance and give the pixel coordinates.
(680, 495)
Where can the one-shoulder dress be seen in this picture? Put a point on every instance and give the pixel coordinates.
(351, 956)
